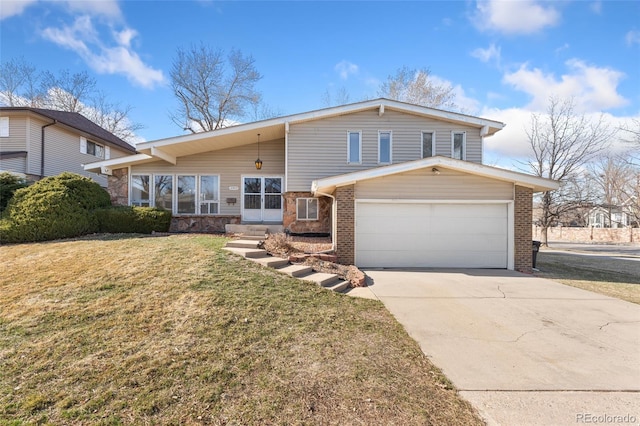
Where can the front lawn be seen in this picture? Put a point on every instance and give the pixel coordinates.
(600, 274)
(174, 330)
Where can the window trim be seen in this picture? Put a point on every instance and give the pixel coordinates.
(433, 143)
(201, 200)
(390, 132)
(307, 200)
(174, 192)
(150, 199)
(349, 132)
(5, 124)
(177, 193)
(463, 152)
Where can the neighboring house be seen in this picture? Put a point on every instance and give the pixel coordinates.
(608, 217)
(41, 142)
(395, 184)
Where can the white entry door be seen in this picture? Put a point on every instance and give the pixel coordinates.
(262, 199)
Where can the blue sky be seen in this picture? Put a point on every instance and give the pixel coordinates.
(504, 58)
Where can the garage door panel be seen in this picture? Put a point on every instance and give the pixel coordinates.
(431, 235)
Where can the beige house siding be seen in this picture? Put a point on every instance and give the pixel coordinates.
(230, 164)
(318, 148)
(17, 135)
(425, 185)
(16, 165)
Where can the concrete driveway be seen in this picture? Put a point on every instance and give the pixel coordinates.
(523, 350)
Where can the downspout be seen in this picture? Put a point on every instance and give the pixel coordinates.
(42, 148)
(334, 220)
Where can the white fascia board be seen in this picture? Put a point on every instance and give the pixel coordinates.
(116, 163)
(536, 183)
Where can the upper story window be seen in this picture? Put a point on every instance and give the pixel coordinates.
(354, 147)
(384, 147)
(428, 144)
(95, 149)
(458, 142)
(4, 127)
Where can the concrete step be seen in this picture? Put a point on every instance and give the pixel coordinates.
(322, 279)
(272, 262)
(247, 252)
(253, 230)
(339, 287)
(242, 243)
(298, 271)
(252, 238)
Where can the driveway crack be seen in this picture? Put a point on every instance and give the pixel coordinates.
(504, 296)
(617, 322)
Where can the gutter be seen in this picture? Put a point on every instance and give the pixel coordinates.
(42, 148)
(334, 218)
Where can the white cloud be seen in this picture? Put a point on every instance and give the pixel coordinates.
(633, 37)
(596, 7)
(345, 69)
(485, 55)
(14, 7)
(593, 88)
(82, 38)
(515, 17)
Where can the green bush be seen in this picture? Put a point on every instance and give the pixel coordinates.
(9, 184)
(141, 220)
(55, 207)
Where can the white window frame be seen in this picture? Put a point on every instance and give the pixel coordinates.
(140, 203)
(349, 133)
(307, 200)
(201, 199)
(4, 127)
(433, 143)
(176, 194)
(463, 152)
(390, 132)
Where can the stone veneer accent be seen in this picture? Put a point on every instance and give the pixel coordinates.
(118, 187)
(208, 224)
(345, 234)
(289, 214)
(523, 215)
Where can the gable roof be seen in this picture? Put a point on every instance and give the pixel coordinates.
(276, 128)
(537, 184)
(78, 122)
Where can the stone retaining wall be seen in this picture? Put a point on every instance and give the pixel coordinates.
(590, 235)
(212, 224)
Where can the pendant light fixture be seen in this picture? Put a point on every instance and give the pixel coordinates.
(258, 161)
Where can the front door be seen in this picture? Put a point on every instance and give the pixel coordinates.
(262, 199)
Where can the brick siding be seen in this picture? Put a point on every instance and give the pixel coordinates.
(345, 234)
(523, 214)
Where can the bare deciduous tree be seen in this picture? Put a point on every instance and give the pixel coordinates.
(562, 143)
(212, 89)
(417, 87)
(615, 178)
(22, 86)
(340, 97)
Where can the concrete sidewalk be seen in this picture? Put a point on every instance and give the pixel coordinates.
(523, 350)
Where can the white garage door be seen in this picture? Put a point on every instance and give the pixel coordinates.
(431, 235)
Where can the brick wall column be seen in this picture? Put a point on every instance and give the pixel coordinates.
(345, 232)
(118, 187)
(523, 216)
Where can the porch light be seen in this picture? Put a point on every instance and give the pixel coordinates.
(258, 160)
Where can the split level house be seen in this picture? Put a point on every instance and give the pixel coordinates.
(394, 184)
(36, 143)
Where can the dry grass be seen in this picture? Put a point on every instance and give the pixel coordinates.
(173, 330)
(600, 274)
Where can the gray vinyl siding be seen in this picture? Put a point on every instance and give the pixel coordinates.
(318, 148)
(230, 164)
(16, 165)
(17, 135)
(424, 185)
